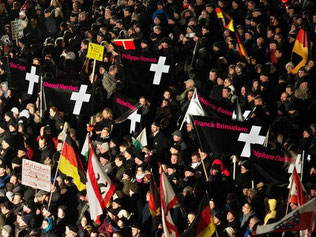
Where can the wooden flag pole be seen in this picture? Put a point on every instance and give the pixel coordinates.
(288, 199)
(302, 164)
(57, 168)
(234, 167)
(92, 81)
(205, 172)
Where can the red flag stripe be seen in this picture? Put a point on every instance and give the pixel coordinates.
(204, 220)
(93, 179)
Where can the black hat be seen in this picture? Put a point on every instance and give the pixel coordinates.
(309, 130)
(118, 201)
(303, 79)
(3, 125)
(135, 225)
(156, 123)
(27, 219)
(130, 151)
(129, 172)
(145, 41)
(73, 228)
(174, 176)
(8, 139)
(217, 44)
(165, 40)
(190, 169)
(105, 155)
(22, 148)
(216, 167)
(246, 164)
(29, 204)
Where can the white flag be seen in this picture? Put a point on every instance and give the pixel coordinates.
(100, 188)
(168, 200)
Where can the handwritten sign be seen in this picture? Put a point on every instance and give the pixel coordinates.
(36, 175)
(17, 29)
(95, 51)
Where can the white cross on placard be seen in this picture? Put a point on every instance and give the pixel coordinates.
(252, 138)
(32, 78)
(80, 97)
(134, 117)
(159, 68)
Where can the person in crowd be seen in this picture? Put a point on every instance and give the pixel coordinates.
(207, 55)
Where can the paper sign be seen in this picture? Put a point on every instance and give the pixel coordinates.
(36, 175)
(95, 51)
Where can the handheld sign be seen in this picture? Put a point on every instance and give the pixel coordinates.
(95, 51)
(36, 175)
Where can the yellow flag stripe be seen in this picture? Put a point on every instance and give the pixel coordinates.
(68, 169)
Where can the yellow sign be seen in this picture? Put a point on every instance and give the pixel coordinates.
(95, 51)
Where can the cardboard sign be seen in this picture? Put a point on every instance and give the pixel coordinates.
(36, 175)
(95, 51)
(17, 29)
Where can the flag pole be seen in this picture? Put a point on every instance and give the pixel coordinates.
(202, 160)
(57, 168)
(288, 198)
(205, 173)
(302, 164)
(234, 167)
(92, 82)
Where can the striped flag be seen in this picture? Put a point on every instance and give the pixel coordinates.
(241, 49)
(168, 200)
(301, 48)
(297, 191)
(219, 13)
(100, 188)
(127, 44)
(153, 203)
(70, 164)
(140, 142)
(230, 25)
(301, 218)
(85, 147)
(203, 225)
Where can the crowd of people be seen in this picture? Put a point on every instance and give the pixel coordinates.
(206, 57)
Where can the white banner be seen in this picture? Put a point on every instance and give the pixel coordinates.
(36, 175)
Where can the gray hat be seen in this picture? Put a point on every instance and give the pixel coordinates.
(177, 133)
(7, 228)
(105, 146)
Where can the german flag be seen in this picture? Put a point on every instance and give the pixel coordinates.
(230, 25)
(241, 49)
(219, 13)
(203, 225)
(301, 48)
(224, 17)
(70, 164)
(154, 198)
